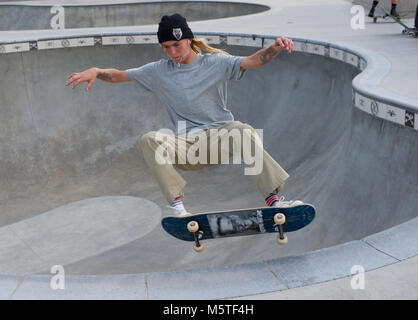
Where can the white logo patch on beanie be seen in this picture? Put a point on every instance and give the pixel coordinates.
(177, 33)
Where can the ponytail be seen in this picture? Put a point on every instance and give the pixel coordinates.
(198, 45)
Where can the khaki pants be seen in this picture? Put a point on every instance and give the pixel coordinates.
(271, 178)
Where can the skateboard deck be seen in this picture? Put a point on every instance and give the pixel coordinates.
(242, 222)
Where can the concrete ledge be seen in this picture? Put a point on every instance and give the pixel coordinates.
(113, 287)
(216, 283)
(32, 15)
(400, 242)
(8, 285)
(328, 264)
(394, 282)
(231, 281)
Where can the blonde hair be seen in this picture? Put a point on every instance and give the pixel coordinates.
(199, 44)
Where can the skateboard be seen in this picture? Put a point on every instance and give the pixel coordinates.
(412, 31)
(397, 20)
(385, 17)
(242, 222)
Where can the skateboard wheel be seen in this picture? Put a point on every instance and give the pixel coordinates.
(282, 241)
(193, 226)
(199, 248)
(279, 218)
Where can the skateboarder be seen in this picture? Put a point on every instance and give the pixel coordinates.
(192, 86)
(393, 11)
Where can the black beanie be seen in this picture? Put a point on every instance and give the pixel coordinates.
(173, 27)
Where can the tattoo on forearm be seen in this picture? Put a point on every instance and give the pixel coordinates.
(267, 55)
(105, 76)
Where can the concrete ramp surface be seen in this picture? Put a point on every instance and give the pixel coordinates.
(60, 146)
(59, 14)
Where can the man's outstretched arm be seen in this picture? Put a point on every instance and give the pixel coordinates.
(264, 56)
(90, 76)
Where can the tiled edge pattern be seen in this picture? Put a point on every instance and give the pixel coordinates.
(385, 111)
(378, 108)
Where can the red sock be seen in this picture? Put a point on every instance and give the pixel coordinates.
(272, 198)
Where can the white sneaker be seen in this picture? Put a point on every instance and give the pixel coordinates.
(286, 204)
(178, 208)
(180, 213)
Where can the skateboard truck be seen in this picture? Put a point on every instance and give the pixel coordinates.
(279, 220)
(193, 227)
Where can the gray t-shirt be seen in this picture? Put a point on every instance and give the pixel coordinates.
(195, 92)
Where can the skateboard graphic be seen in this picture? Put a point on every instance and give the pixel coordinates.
(397, 20)
(242, 222)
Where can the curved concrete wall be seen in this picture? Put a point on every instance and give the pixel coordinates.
(59, 145)
(46, 16)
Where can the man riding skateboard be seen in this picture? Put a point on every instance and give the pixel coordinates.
(193, 87)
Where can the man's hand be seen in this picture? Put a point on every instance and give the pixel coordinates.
(283, 43)
(264, 56)
(88, 75)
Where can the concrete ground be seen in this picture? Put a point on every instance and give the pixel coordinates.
(393, 282)
(74, 203)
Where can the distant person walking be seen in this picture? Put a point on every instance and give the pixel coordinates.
(393, 11)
